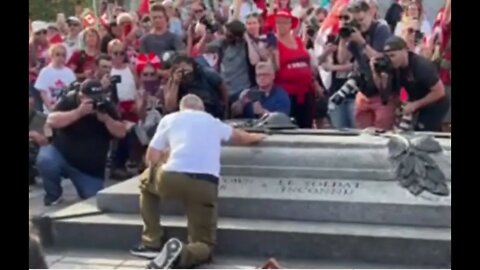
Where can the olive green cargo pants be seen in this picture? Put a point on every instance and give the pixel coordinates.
(199, 198)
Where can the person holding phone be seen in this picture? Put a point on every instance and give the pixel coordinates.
(263, 99)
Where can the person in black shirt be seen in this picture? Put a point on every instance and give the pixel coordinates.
(427, 99)
(83, 130)
(188, 77)
(113, 32)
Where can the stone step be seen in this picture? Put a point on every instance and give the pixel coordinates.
(303, 200)
(267, 238)
(318, 162)
(121, 259)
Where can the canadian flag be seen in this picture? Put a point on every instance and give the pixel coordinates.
(89, 19)
(331, 25)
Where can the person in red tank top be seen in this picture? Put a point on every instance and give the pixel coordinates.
(294, 72)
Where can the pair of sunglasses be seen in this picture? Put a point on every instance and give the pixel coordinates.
(149, 74)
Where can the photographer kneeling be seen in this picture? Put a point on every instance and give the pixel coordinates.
(265, 98)
(83, 122)
(427, 100)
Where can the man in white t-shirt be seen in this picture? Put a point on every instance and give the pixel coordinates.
(190, 174)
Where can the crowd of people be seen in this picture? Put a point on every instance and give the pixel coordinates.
(119, 89)
(331, 66)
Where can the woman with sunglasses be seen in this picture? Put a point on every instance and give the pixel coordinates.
(413, 11)
(54, 78)
(82, 62)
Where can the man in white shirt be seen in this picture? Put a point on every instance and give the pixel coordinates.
(191, 138)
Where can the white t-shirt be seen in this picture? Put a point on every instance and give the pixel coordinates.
(194, 139)
(53, 81)
(126, 89)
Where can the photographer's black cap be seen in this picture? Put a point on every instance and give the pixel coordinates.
(91, 87)
(394, 43)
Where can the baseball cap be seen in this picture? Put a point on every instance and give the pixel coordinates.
(38, 26)
(167, 3)
(91, 87)
(73, 19)
(394, 43)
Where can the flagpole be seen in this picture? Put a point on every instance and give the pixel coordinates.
(97, 18)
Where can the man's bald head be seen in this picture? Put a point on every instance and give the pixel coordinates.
(191, 102)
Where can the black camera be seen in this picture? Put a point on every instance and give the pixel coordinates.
(115, 79)
(348, 29)
(311, 30)
(210, 26)
(418, 37)
(383, 65)
(100, 103)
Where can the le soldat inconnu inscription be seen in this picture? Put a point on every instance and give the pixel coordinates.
(294, 186)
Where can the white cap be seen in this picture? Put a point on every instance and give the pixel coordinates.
(167, 3)
(73, 19)
(38, 26)
(124, 16)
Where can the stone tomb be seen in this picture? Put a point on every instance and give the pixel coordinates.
(314, 196)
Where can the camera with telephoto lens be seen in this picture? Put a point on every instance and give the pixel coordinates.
(405, 123)
(100, 102)
(349, 88)
(348, 29)
(383, 65)
(418, 37)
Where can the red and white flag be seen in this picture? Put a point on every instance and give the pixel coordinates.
(89, 19)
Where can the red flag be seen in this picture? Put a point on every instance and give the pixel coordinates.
(144, 7)
(56, 39)
(332, 21)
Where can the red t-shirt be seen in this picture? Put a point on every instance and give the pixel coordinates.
(87, 65)
(295, 74)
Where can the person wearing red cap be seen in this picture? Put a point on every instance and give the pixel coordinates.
(294, 72)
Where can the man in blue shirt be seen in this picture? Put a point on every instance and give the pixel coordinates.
(264, 98)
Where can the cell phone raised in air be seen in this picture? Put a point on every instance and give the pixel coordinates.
(271, 40)
(255, 95)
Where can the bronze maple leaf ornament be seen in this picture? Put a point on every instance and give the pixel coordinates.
(414, 168)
